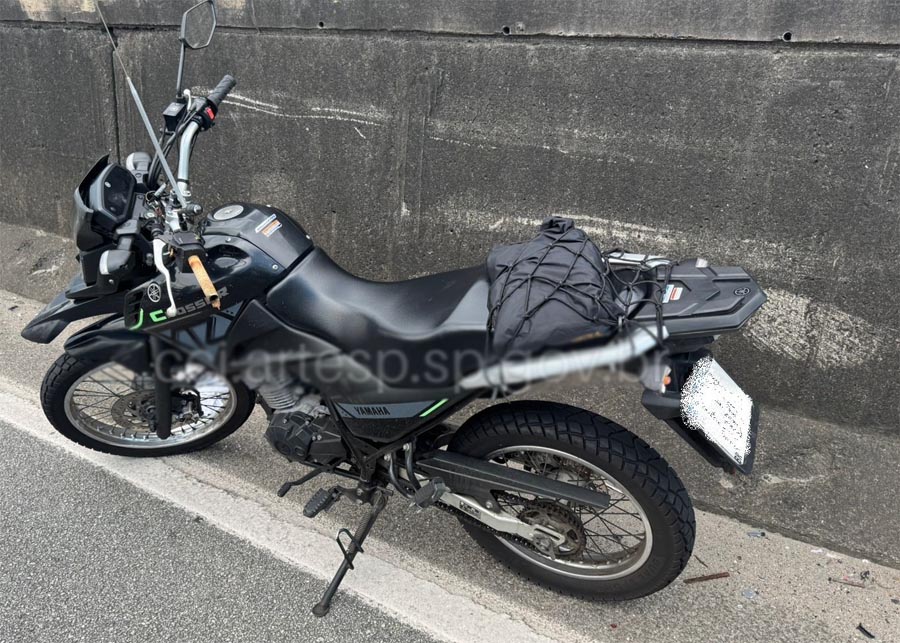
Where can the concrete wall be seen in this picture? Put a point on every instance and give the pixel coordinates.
(409, 137)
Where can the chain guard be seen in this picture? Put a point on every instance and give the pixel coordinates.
(477, 523)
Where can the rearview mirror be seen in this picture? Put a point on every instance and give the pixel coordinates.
(198, 24)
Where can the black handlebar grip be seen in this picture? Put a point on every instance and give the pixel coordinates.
(221, 90)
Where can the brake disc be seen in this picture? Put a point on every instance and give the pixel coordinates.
(135, 410)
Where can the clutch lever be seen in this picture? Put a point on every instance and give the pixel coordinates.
(159, 247)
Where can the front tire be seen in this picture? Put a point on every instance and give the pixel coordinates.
(575, 445)
(104, 407)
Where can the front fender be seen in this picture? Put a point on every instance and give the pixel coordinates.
(60, 312)
(109, 340)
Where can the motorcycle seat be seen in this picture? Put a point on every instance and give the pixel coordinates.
(443, 314)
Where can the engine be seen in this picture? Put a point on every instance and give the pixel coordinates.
(306, 432)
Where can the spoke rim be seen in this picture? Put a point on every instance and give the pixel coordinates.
(542, 460)
(90, 405)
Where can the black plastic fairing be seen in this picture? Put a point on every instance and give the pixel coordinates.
(82, 232)
(370, 407)
(705, 300)
(103, 201)
(109, 340)
(56, 315)
(111, 195)
(246, 253)
(238, 269)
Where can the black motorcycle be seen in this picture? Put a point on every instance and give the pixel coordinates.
(205, 316)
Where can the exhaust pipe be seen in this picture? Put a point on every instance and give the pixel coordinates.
(642, 339)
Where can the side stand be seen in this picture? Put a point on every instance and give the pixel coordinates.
(379, 501)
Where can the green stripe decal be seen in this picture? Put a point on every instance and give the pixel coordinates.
(140, 321)
(434, 407)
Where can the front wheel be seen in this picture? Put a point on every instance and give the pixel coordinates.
(634, 547)
(109, 408)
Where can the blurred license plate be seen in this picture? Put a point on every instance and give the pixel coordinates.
(713, 404)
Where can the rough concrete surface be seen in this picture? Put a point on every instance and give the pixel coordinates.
(406, 152)
(863, 21)
(57, 116)
(35, 261)
(404, 149)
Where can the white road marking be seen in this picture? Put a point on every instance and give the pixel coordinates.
(446, 611)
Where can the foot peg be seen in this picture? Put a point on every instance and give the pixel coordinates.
(322, 500)
(429, 493)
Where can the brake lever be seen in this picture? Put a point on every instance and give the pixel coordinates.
(158, 247)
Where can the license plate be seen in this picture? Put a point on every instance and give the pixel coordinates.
(713, 404)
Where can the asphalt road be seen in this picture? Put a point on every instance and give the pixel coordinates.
(88, 557)
(778, 588)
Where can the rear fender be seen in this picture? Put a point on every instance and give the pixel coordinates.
(666, 406)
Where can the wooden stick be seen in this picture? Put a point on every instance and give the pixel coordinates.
(206, 284)
(700, 579)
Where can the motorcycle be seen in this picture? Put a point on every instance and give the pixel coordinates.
(205, 316)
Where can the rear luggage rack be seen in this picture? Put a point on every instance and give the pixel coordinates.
(704, 300)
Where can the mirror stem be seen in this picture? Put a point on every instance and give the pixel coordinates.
(180, 72)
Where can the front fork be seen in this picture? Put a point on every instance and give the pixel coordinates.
(162, 361)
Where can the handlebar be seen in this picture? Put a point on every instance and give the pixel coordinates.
(200, 117)
(201, 121)
(218, 94)
(184, 157)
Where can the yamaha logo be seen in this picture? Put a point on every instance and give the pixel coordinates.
(154, 294)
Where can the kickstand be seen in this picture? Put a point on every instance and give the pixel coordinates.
(379, 501)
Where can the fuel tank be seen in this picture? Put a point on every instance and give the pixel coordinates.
(249, 247)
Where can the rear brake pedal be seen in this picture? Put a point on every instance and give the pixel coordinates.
(429, 493)
(322, 500)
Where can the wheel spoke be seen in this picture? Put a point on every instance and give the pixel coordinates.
(107, 405)
(613, 536)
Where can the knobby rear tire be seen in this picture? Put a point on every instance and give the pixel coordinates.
(612, 448)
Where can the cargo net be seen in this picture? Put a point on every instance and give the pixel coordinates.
(560, 289)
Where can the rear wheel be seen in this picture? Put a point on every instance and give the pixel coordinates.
(634, 547)
(108, 407)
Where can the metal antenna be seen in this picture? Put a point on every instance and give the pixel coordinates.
(142, 112)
